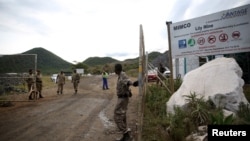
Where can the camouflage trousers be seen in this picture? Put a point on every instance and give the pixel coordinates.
(75, 84)
(120, 113)
(39, 87)
(60, 88)
(30, 86)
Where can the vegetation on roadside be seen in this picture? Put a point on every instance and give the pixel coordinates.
(158, 125)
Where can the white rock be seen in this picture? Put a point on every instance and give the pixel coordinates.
(219, 80)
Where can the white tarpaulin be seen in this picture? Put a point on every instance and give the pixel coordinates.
(220, 33)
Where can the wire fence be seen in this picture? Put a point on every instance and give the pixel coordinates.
(13, 75)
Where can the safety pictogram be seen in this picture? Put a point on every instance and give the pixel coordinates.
(236, 34)
(201, 41)
(182, 43)
(211, 39)
(191, 42)
(223, 37)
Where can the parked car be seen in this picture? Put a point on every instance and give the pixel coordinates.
(167, 73)
(152, 75)
(53, 77)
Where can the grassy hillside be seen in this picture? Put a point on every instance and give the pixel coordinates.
(49, 62)
(94, 61)
(46, 61)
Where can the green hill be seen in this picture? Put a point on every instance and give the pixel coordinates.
(49, 62)
(46, 61)
(94, 61)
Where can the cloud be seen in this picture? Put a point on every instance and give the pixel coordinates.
(78, 29)
(23, 16)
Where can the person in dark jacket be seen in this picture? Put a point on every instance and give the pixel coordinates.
(161, 70)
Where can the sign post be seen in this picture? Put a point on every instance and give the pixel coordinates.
(170, 59)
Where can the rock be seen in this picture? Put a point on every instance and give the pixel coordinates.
(219, 80)
(196, 137)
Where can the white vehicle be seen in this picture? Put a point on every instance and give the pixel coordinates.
(167, 72)
(53, 77)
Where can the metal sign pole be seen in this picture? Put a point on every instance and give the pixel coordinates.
(140, 112)
(170, 59)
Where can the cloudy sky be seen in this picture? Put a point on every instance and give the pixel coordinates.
(77, 29)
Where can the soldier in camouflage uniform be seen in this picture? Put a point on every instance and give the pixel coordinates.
(30, 82)
(39, 83)
(123, 93)
(60, 80)
(75, 80)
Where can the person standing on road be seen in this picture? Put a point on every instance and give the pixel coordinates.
(105, 80)
(161, 70)
(30, 82)
(123, 93)
(39, 83)
(75, 80)
(60, 80)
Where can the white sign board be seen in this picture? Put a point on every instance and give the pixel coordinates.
(80, 71)
(220, 33)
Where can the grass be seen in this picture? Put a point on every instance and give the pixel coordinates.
(156, 121)
(246, 91)
(47, 82)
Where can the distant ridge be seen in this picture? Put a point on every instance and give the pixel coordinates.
(94, 61)
(49, 62)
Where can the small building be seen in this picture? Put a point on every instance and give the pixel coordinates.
(182, 66)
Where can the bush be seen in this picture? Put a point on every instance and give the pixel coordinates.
(160, 126)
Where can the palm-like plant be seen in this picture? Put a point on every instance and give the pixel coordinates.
(197, 108)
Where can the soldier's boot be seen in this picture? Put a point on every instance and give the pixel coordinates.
(57, 92)
(75, 91)
(30, 98)
(40, 96)
(126, 136)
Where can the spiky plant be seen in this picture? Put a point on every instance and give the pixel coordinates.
(198, 109)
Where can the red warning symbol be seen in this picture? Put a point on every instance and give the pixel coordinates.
(236, 34)
(201, 41)
(211, 39)
(223, 37)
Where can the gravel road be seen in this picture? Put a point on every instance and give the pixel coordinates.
(86, 116)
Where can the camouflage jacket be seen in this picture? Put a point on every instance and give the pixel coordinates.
(30, 79)
(122, 84)
(76, 77)
(38, 79)
(60, 79)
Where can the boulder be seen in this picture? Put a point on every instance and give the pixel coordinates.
(219, 80)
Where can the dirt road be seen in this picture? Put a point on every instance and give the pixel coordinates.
(86, 116)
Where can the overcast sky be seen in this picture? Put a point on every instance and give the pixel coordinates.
(77, 29)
